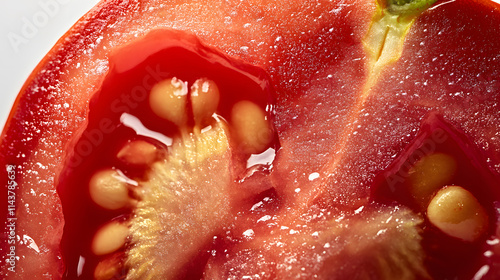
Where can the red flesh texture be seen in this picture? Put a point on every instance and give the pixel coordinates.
(299, 63)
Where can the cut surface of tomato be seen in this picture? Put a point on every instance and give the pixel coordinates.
(296, 140)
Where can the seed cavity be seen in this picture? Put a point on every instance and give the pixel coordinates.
(183, 194)
(163, 180)
(110, 190)
(168, 100)
(251, 127)
(138, 152)
(430, 174)
(110, 238)
(456, 212)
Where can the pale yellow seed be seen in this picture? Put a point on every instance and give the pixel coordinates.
(105, 273)
(204, 99)
(109, 268)
(429, 174)
(168, 100)
(109, 238)
(251, 126)
(109, 189)
(138, 152)
(456, 212)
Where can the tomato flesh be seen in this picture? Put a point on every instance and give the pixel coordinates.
(331, 149)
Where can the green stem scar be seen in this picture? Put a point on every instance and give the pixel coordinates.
(408, 7)
(385, 38)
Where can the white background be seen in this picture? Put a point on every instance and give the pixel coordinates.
(28, 30)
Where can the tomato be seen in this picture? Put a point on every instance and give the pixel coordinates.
(362, 93)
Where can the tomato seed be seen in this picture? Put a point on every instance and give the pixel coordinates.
(109, 189)
(109, 268)
(251, 127)
(138, 152)
(168, 100)
(205, 98)
(456, 212)
(109, 238)
(429, 174)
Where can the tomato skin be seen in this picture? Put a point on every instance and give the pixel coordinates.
(293, 42)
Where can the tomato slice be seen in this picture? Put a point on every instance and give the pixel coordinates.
(341, 119)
